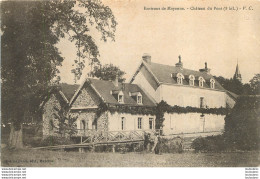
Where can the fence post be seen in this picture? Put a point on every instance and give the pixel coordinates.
(81, 150)
(93, 148)
(114, 148)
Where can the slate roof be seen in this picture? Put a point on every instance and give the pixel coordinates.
(68, 90)
(163, 74)
(104, 89)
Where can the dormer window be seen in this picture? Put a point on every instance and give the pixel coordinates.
(201, 81)
(180, 78)
(212, 83)
(139, 100)
(191, 80)
(137, 96)
(120, 98)
(119, 95)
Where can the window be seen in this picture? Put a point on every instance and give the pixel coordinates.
(122, 123)
(201, 80)
(86, 125)
(139, 99)
(139, 123)
(51, 124)
(179, 78)
(202, 105)
(179, 81)
(151, 123)
(82, 125)
(212, 83)
(191, 80)
(137, 96)
(120, 98)
(201, 84)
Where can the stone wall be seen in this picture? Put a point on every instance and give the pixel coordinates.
(102, 122)
(50, 123)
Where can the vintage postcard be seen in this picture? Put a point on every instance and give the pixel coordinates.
(113, 83)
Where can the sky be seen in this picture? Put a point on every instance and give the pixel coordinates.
(220, 38)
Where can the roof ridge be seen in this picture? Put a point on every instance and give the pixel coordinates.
(182, 68)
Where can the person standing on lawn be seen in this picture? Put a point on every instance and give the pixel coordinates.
(147, 142)
(156, 146)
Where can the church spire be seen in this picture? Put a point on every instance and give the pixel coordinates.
(237, 74)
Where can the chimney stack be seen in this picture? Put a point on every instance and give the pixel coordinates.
(206, 69)
(147, 58)
(179, 64)
(115, 82)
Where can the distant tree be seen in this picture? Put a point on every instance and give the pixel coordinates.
(108, 72)
(255, 83)
(234, 86)
(29, 58)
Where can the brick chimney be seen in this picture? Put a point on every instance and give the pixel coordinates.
(179, 64)
(147, 58)
(206, 69)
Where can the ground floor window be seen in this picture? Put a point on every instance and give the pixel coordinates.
(51, 124)
(202, 102)
(151, 123)
(83, 124)
(139, 123)
(123, 123)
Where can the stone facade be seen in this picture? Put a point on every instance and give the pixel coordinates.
(102, 122)
(86, 120)
(86, 98)
(88, 117)
(50, 123)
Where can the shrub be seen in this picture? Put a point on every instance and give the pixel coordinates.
(49, 141)
(103, 148)
(53, 140)
(210, 143)
(173, 145)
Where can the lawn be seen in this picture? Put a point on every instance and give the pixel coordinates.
(41, 158)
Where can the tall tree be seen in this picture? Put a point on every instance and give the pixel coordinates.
(108, 72)
(30, 31)
(242, 124)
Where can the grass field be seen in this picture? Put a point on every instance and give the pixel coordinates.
(40, 158)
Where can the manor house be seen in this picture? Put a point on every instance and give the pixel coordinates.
(113, 106)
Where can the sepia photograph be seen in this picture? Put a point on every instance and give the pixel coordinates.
(114, 83)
